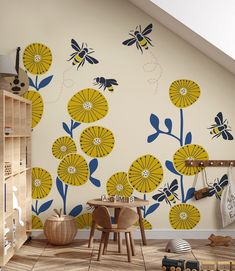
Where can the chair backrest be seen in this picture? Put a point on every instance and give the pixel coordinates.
(102, 217)
(127, 217)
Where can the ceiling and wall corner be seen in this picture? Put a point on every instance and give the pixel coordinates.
(210, 30)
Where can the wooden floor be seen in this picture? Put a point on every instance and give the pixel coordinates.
(38, 255)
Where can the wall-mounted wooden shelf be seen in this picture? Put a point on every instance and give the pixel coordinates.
(210, 163)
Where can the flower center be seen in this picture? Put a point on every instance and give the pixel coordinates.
(145, 173)
(183, 91)
(71, 170)
(87, 105)
(96, 141)
(119, 187)
(37, 182)
(183, 216)
(63, 148)
(37, 58)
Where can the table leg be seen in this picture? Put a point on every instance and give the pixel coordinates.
(116, 214)
(141, 226)
(92, 232)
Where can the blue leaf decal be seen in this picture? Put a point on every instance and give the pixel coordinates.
(188, 138)
(60, 187)
(190, 194)
(76, 210)
(93, 165)
(154, 120)
(76, 124)
(152, 208)
(45, 206)
(31, 83)
(171, 167)
(152, 137)
(95, 181)
(33, 210)
(66, 128)
(168, 124)
(45, 82)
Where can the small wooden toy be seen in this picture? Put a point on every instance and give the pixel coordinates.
(219, 240)
(223, 266)
(232, 266)
(118, 198)
(208, 266)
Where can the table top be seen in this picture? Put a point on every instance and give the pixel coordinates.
(136, 203)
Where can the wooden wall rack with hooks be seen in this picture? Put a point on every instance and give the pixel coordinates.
(210, 163)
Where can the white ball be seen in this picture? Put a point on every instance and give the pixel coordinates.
(178, 246)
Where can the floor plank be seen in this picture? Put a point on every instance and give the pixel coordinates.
(39, 255)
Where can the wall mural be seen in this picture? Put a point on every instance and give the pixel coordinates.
(183, 93)
(221, 128)
(145, 173)
(140, 38)
(81, 54)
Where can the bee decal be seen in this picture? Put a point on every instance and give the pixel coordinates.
(81, 54)
(140, 38)
(168, 193)
(217, 187)
(221, 128)
(105, 83)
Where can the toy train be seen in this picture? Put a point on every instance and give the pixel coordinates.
(182, 265)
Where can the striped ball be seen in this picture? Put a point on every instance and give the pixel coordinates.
(178, 246)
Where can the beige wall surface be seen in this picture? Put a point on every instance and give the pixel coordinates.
(143, 86)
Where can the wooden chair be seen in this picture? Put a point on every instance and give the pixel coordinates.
(127, 217)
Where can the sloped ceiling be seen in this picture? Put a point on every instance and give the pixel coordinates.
(186, 33)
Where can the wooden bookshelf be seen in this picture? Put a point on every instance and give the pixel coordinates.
(15, 173)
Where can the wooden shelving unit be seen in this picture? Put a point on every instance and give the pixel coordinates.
(15, 173)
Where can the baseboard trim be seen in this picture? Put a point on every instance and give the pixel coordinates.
(153, 234)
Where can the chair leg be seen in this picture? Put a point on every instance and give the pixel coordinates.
(132, 244)
(101, 246)
(128, 246)
(119, 243)
(106, 241)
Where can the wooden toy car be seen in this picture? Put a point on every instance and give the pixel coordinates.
(220, 240)
(208, 266)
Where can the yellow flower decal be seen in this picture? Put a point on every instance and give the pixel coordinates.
(184, 93)
(41, 183)
(84, 221)
(73, 169)
(63, 146)
(88, 105)
(189, 152)
(184, 216)
(37, 106)
(97, 141)
(145, 173)
(36, 222)
(119, 185)
(37, 58)
(147, 224)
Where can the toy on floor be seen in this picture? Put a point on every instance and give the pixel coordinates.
(179, 265)
(220, 240)
(17, 206)
(178, 246)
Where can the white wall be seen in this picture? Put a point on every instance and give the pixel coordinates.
(214, 20)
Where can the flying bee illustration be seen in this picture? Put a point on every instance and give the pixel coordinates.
(81, 54)
(217, 187)
(140, 38)
(168, 193)
(105, 83)
(221, 128)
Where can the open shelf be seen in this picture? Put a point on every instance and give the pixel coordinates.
(15, 175)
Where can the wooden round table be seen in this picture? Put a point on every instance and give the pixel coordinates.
(138, 203)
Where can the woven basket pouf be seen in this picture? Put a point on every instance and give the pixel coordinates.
(60, 229)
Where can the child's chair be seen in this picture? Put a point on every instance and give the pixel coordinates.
(127, 217)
